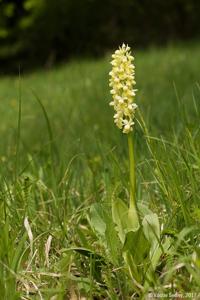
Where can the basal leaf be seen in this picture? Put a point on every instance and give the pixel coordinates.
(97, 218)
(119, 214)
(137, 244)
(125, 218)
(151, 229)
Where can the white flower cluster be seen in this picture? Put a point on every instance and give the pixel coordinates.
(122, 80)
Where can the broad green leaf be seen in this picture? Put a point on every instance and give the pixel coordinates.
(137, 245)
(119, 214)
(136, 253)
(101, 221)
(151, 228)
(132, 220)
(97, 218)
(126, 219)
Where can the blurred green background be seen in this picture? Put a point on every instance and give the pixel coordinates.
(43, 32)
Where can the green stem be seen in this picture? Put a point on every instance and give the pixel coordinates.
(132, 171)
(133, 213)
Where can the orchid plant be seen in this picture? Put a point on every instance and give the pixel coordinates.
(137, 227)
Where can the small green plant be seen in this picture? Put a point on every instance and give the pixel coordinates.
(137, 227)
(140, 236)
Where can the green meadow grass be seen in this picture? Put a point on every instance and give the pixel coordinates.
(63, 160)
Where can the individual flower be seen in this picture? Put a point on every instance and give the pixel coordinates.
(122, 81)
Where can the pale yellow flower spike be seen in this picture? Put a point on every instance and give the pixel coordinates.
(122, 80)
